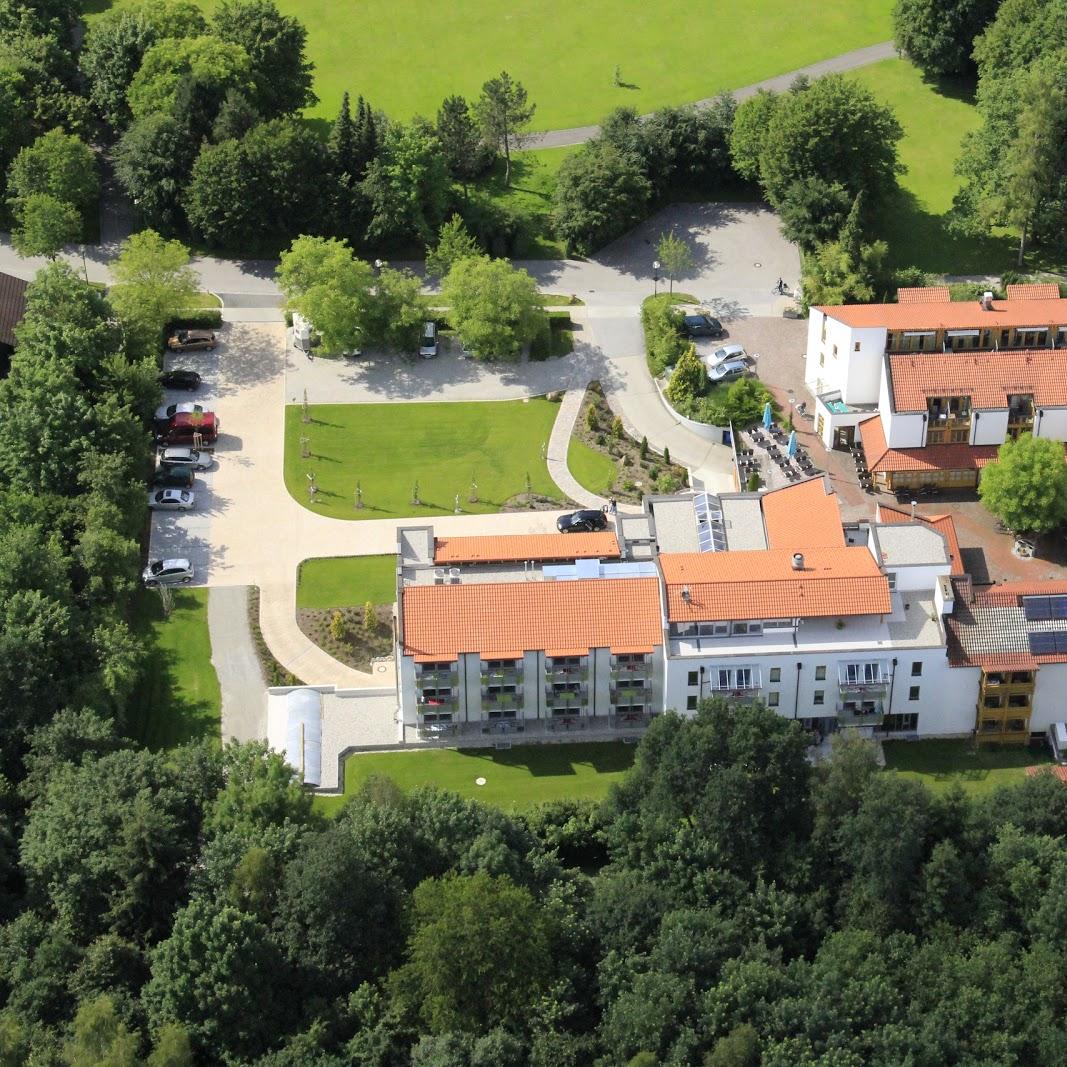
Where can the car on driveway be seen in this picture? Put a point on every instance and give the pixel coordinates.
(189, 429)
(171, 500)
(702, 326)
(167, 572)
(191, 340)
(166, 412)
(722, 354)
(185, 457)
(729, 371)
(582, 522)
(173, 478)
(180, 379)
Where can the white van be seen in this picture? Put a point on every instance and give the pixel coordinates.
(1057, 741)
(301, 332)
(428, 345)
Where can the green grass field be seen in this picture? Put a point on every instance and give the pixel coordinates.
(179, 699)
(515, 779)
(388, 447)
(406, 56)
(341, 581)
(941, 764)
(592, 469)
(935, 118)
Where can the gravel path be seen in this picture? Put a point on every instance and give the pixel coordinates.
(558, 444)
(234, 658)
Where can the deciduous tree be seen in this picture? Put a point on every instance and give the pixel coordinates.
(43, 225)
(151, 162)
(938, 35)
(60, 165)
(1027, 486)
(454, 242)
(674, 255)
(494, 307)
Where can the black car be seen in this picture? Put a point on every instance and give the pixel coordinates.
(180, 379)
(582, 522)
(173, 478)
(702, 326)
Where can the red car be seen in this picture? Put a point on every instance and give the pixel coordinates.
(186, 427)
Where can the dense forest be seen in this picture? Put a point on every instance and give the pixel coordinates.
(728, 905)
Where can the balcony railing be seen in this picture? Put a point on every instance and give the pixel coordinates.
(501, 701)
(859, 715)
(624, 672)
(566, 674)
(864, 677)
(565, 700)
(500, 675)
(737, 686)
(436, 705)
(630, 694)
(436, 678)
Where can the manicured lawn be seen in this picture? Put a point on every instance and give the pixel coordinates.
(935, 118)
(340, 581)
(515, 778)
(593, 470)
(940, 764)
(388, 447)
(406, 56)
(179, 698)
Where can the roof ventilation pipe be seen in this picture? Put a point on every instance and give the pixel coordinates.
(987, 301)
(798, 561)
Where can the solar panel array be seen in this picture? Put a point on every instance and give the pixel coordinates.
(1048, 642)
(711, 534)
(1044, 608)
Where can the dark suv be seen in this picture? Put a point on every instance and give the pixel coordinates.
(582, 522)
(702, 326)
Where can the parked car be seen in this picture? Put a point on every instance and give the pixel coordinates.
(191, 340)
(173, 477)
(728, 371)
(190, 429)
(166, 412)
(722, 354)
(180, 379)
(702, 326)
(185, 457)
(582, 522)
(171, 500)
(428, 344)
(167, 572)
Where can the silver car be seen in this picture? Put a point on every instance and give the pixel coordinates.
(171, 500)
(167, 572)
(722, 354)
(168, 411)
(178, 456)
(728, 371)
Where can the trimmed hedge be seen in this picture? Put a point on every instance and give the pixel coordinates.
(206, 319)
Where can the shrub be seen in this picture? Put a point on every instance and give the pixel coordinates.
(742, 404)
(337, 625)
(644, 447)
(688, 382)
(666, 455)
(616, 428)
(205, 319)
(668, 482)
(663, 339)
(370, 617)
(590, 418)
(753, 482)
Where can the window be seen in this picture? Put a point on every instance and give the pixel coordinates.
(835, 351)
(747, 628)
(566, 661)
(691, 678)
(691, 702)
(776, 674)
(908, 721)
(913, 693)
(822, 359)
(1016, 726)
(917, 668)
(1019, 700)
(772, 699)
(856, 347)
(566, 687)
(630, 659)
(1020, 677)
(996, 678)
(891, 577)
(823, 336)
(820, 674)
(499, 664)
(494, 690)
(993, 702)
(743, 676)
(819, 696)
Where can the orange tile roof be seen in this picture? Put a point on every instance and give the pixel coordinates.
(763, 585)
(802, 516)
(881, 458)
(1041, 291)
(942, 523)
(951, 315)
(930, 294)
(1047, 588)
(1048, 768)
(986, 377)
(515, 548)
(441, 621)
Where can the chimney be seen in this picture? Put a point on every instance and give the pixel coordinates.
(987, 300)
(685, 594)
(798, 561)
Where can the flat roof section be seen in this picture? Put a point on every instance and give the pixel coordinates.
(908, 545)
(742, 519)
(518, 548)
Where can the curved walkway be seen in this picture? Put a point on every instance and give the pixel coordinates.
(859, 57)
(559, 443)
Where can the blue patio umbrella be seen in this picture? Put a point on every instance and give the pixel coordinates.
(768, 415)
(791, 448)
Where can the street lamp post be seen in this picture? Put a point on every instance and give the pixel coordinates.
(655, 276)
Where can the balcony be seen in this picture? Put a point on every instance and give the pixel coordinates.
(566, 674)
(630, 694)
(734, 682)
(863, 677)
(571, 701)
(857, 713)
(436, 679)
(501, 675)
(501, 701)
